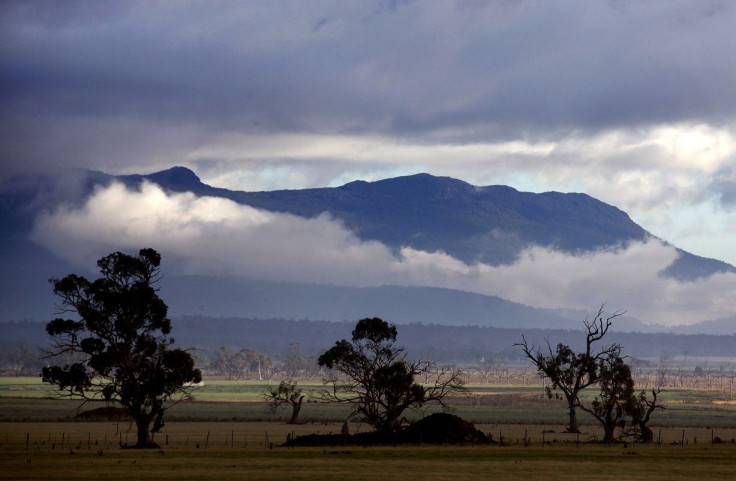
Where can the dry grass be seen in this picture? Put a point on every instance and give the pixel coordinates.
(207, 450)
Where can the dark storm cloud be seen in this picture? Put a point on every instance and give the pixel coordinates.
(457, 70)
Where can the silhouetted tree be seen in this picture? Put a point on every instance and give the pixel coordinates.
(571, 372)
(121, 340)
(285, 393)
(375, 376)
(616, 398)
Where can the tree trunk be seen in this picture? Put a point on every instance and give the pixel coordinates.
(645, 433)
(608, 431)
(573, 417)
(295, 408)
(141, 424)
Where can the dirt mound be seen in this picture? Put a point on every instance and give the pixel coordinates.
(443, 428)
(435, 429)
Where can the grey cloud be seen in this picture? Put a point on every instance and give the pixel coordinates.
(415, 68)
(724, 186)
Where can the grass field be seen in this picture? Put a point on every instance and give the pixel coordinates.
(205, 451)
(227, 432)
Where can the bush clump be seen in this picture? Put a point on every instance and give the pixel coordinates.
(438, 428)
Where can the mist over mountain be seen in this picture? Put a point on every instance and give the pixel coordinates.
(490, 224)
(446, 218)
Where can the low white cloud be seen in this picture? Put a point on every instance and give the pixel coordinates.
(202, 235)
(625, 278)
(207, 235)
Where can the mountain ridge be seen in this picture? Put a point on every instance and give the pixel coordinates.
(489, 224)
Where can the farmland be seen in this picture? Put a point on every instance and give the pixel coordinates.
(228, 432)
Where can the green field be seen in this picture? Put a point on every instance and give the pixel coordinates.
(27, 399)
(227, 432)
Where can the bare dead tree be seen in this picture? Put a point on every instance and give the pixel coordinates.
(571, 372)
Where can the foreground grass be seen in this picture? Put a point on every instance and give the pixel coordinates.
(551, 462)
(251, 450)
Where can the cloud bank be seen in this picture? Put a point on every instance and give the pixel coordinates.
(203, 235)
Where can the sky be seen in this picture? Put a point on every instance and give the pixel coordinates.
(630, 102)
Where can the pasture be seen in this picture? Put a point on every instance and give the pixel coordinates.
(227, 432)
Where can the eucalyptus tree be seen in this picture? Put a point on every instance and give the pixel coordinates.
(375, 376)
(117, 346)
(616, 398)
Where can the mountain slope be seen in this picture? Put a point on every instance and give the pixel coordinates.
(490, 224)
(241, 297)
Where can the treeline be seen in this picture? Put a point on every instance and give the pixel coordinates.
(293, 361)
(444, 343)
(223, 342)
(248, 363)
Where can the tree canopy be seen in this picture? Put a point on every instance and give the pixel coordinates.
(374, 375)
(118, 347)
(616, 397)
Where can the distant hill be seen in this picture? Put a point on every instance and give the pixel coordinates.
(717, 326)
(441, 343)
(240, 297)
